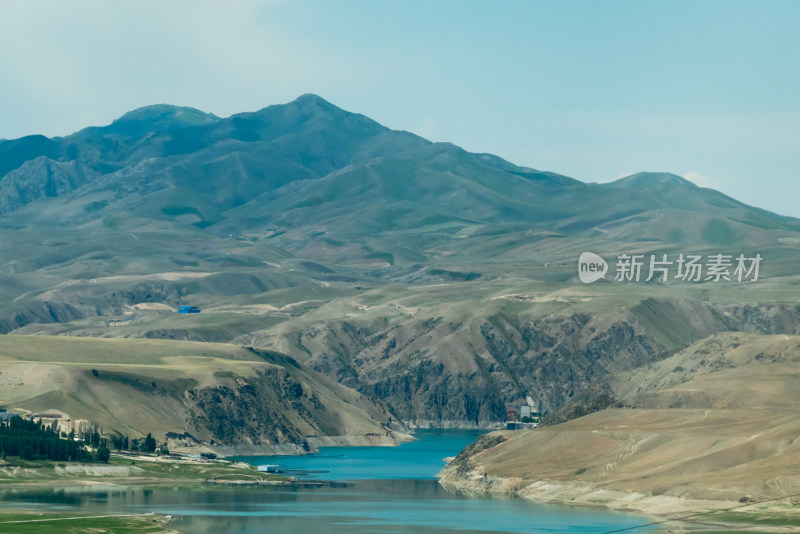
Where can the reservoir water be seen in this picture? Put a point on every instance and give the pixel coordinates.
(384, 490)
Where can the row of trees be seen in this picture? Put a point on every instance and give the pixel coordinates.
(122, 443)
(32, 440)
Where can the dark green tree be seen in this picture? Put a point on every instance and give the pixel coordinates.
(149, 443)
(103, 454)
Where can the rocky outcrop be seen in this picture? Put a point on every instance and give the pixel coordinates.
(39, 178)
(272, 407)
(448, 371)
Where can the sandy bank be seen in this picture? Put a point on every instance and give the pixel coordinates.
(576, 493)
(312, 444)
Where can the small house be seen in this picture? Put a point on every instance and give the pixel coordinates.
(269, 468)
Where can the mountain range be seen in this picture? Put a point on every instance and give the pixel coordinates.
(439, 283)
(315, 171)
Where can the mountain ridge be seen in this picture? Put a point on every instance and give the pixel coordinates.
(311, 134)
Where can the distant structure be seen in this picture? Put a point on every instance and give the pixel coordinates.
(269, 468)
(188, 309)
(522, 416)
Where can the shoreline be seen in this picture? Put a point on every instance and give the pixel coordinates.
(311, 445)
(671, 512)
(137, 470)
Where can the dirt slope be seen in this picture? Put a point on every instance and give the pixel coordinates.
(708, 427)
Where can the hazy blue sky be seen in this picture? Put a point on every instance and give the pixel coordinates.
(591, 89)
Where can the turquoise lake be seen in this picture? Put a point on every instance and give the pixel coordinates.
(384, 490)
(420, 459)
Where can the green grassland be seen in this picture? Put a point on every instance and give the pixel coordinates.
(69, 523)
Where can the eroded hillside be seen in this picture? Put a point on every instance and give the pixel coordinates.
(227, 397)
(713, 425)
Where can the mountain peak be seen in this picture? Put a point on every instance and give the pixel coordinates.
(312, 99)
(159, 117)
(159, 112)
(642, 180)
(311, 104)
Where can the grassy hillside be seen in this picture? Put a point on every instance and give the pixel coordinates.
(214, 392)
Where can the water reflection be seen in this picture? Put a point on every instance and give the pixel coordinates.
(366, 506)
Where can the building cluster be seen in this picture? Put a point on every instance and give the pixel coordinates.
(522, 416)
